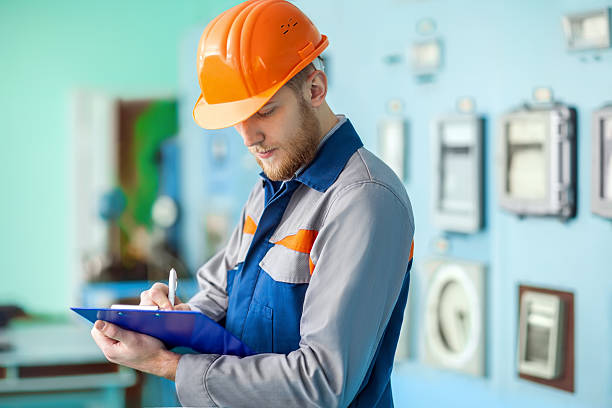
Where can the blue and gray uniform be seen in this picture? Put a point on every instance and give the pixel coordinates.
(315, 279)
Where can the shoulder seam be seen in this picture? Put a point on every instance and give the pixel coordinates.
(357, 184)
(365, 164)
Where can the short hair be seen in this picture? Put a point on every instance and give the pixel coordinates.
(296, 83)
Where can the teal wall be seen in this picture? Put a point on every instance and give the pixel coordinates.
(47, 49)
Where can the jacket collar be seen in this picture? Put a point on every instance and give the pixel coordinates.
(330, 160)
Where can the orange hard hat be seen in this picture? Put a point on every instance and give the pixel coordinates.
(246, 54)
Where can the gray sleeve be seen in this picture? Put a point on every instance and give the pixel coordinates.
(212, 277)
(363, 253)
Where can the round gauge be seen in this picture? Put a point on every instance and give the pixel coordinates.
(165, 211)
(453, 316)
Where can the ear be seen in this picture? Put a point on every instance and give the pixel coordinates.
(317, 88)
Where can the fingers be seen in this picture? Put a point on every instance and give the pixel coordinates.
(135, 350)
(157, 295)
(182, 306)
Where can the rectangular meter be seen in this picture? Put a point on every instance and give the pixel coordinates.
(426, 57)
(601, 159)
(541, 334)
(392, 144)
(587, 31)
(537, 161)
(457, 169)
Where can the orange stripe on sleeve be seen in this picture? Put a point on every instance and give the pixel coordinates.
(411, 251)
(301, 242)
(311, 264)
(249, 226)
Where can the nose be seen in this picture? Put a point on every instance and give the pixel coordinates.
(250, 132)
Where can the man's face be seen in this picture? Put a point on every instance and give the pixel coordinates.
(283, 135)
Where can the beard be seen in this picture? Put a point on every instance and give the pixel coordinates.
(299, 151)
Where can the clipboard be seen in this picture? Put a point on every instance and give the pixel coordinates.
(176, 328)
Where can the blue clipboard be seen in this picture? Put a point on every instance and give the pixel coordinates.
(176, 328)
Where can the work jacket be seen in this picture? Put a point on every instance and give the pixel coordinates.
(314, 279)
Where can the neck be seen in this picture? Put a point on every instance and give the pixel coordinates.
(327, 119)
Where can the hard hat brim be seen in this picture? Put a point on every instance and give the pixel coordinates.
(223, 115)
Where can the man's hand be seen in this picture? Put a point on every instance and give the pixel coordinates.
(135, 350)
(158, 296)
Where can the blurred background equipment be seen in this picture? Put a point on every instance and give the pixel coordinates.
(587, 30)
(139, 209)
(537, 161)
(426, 58)
(55, 364)
(601, 157)
(545, 344)
(457, 166)
(127, 190)
(393, 138)
(454, 327)
(9, 312)
(542, 331)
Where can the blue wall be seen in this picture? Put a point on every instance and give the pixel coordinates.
(495, 52)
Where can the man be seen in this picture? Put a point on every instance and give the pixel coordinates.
(315, 277)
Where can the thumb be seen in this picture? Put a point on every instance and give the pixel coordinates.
(110, 330)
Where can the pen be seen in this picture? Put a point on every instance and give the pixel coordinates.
(172, 284)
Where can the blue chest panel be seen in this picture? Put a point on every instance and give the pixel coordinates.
(264, 313)
(272, 320)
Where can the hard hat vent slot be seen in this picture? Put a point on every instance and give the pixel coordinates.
(287, 27)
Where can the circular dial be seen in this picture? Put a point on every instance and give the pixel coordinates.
(454, 320)
(165, 211)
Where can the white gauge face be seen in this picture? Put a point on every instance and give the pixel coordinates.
(458, 182)
(454, 320)
(426, 56)
(538, 339)
(458, 133)
(454, 331)
(606, 150)
(527, 164)
(458, 178)
(392, 145)
(527, 131)
(588, 30)
(593, 28)
(165, 212)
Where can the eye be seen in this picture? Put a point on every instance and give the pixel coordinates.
(266, 112)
